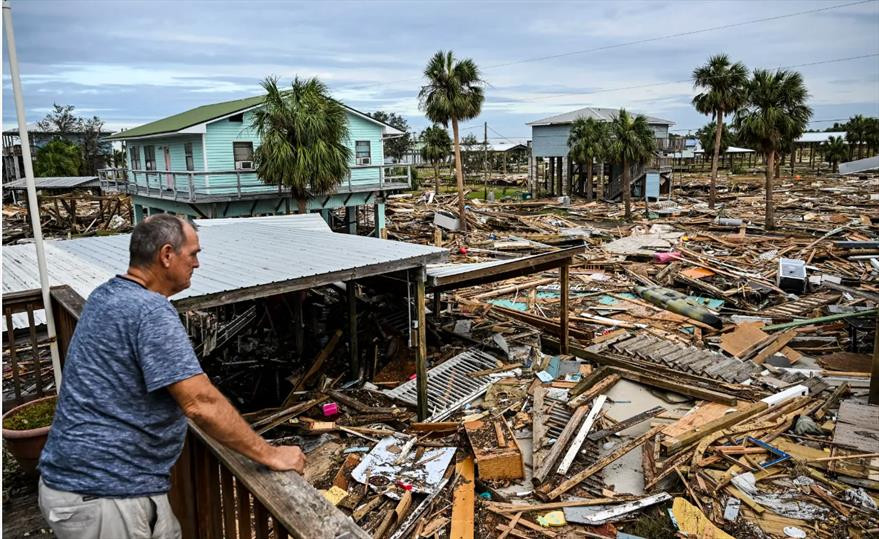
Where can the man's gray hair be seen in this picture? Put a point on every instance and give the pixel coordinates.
(152, 233)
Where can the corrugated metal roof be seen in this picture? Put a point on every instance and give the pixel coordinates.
(820, 137)
(861, 165)
(307, 221)
(242, 253)
(58, 182)
(598, 113)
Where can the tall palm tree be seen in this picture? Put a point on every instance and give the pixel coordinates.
(856, 133)
(585, 144)
(632, 143)
(436, 148)
(304, 134)
(776, 112)
(871, 136)
(724, 86)
(453, 93)
(834, 151)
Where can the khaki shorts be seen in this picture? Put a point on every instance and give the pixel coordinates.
(73, 515)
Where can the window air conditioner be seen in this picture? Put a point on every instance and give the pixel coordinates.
(363, 160)
(243, 165)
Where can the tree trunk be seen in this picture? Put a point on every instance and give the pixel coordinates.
(860, 150)
(436, 177)
(770, 210)
(718, 131)
(627, 190)
(589, 180)
(303, 205)
(600, 180)
(459, 176)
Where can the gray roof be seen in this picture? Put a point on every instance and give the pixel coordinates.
(59, 182)
(861, 165)
(597, 113)
(821, 136)
(241, 256)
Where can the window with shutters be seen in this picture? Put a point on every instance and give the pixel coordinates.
(187, 150)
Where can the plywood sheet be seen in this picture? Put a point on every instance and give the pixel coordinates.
(743, 338)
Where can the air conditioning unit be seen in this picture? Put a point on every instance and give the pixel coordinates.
(239, 165)
(364, 160)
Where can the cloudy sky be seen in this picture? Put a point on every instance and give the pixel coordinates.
(133, 62)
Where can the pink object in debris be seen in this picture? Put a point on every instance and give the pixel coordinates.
(330, 409)
(665, 258)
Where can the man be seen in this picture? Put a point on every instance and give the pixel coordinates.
(130, 378)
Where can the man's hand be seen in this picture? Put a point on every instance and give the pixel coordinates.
(287, 457)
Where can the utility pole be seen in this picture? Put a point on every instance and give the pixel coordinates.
(485, 157)
(33, 203)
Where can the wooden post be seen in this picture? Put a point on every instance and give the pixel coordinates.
(421, 350)
(351, 289)
(551, 176)
(874, 376)
(564, 275)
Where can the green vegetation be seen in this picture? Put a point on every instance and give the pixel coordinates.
(586, 143)
(303, 132)
(724, 85)
(453, 93)
(631, 143)
(33, 416)
(775, 115)
(395, 147)
(57, 158)
(436, 149)
(834, 151)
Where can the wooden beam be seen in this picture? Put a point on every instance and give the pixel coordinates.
(421, 350)
(542, 472)
(564, 337)
(354, 357)
(581, 435)
(598, 466)
(463, 498)
(744, 412)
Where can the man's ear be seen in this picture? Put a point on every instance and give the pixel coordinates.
(165, 255)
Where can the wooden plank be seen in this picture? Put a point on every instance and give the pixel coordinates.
(315, 366)
(463, 498)
(558, 447)
(598, 466)
(589, 394)
(697, 433)
(679, 387)
(741, 341)
(626, 423)
(698, 416)
(779, 342)
(564, 337)
(539, 427)
(227, 498)
(260, 521)
(245, 511)
(581, 435)
(421, 349)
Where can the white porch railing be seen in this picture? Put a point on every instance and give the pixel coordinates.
(195, 185)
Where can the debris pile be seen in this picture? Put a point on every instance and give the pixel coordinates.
(714, 383)
(72, 214)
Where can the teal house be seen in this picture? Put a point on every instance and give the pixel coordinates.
(199, 163)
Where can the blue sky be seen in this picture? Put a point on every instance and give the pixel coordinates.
(133, 62)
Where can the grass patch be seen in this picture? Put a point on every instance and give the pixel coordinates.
(32, 416)
(654, 524)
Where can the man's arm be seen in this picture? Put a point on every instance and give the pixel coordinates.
(208, 408)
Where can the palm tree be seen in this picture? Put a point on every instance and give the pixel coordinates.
(57, 158)
(834, 151)
(632, 144)
(871, 135)
(724, 92)
(776, 112)
(587, 143)
(304, 134)
(453, 93)
(856, 133)
(437, 147)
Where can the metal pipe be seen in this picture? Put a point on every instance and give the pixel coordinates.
(33, 203)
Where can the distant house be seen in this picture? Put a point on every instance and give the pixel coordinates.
(549, 138)
(13, 164)
(199, 163)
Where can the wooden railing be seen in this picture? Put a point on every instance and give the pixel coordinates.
(27, 363)
(218, 493)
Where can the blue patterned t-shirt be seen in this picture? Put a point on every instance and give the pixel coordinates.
(117, 430)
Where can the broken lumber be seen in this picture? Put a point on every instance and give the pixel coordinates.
(558, 447)
(672, 445)
(598, 466)
(497, 453)
(625, 424)
(463, 498)
(581, 435)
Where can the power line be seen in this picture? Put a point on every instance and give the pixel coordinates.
(681, 34)
(653, 84)
(641, 41)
